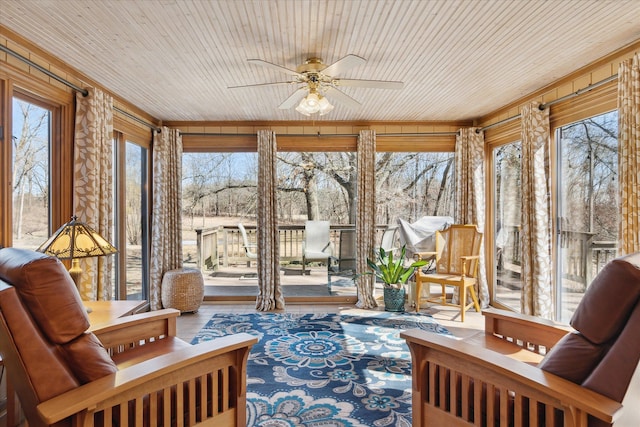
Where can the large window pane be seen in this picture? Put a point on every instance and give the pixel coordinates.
(31, 135)
(588, 205)
(135, 221)
(507, 268)
(219, 191)
(318, 186)
(412, 185)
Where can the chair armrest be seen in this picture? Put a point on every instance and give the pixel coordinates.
(137, 328)
(419, 256)
(534, 333)
(477, 369)
(222, 357)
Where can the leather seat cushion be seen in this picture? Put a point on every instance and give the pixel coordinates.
(47, 290)
(573, 358)
(87, 358)
(607, 303)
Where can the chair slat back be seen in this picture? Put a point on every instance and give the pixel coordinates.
(454, 242)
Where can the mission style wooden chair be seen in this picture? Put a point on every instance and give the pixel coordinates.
(457, 258)
(133, 372)
(525, 371)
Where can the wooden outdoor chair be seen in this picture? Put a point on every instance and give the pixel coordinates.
(530, 372)
(457, 258)
(132, 372)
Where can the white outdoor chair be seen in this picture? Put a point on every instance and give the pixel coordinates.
(316, 245)
(388, 240)
(249, 248)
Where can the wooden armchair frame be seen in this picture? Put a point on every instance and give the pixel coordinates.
(489, 380)
(457, 257)
(203, 384)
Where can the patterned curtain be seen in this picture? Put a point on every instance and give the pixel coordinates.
(366, 218)
(536, 213)
(93, 189)
(470, 193)
(270, 294)
(629, 154)
(166, 220)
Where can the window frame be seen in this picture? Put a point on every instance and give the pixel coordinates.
(120, 233)
(61, 105)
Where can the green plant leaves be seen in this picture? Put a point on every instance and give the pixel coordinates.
(392, 271)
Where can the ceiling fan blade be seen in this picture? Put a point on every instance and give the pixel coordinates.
(343, 64)
(293, 99)
(340, 96)
(274, 67)
(262, 84)
(377, 84)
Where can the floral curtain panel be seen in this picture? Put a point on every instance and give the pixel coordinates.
(365, 222)
(166, 220)
(270, 296)
(537, 295)
(470, 193)
(629, 154)
(93, 184)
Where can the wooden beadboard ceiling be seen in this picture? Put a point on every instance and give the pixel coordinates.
(459, 59)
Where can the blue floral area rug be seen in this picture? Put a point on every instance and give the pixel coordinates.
(329, 370)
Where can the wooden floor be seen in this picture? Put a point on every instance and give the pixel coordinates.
(189, 324)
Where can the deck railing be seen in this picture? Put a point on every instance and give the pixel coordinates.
(222, 246)
(583, 257)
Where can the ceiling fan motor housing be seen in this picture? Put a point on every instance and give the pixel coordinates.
(311, 65)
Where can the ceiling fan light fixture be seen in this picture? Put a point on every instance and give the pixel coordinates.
(325, 106)
(301, 108)
(314, 103)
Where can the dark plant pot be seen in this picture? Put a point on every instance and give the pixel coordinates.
(394, 299)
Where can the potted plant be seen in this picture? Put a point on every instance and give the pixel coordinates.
(394, 275)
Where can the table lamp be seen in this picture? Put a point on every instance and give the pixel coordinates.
(75, 240)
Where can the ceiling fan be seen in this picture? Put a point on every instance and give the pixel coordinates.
(316, 82)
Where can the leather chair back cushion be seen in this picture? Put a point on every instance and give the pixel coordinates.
(607, 303)
(88, 359)
(613, 375)
(46, 288)
(44, 370)
(573, 358)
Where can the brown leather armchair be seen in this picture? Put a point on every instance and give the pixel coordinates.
(525, 371)
(133, 372)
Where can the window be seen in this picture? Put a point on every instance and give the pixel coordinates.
(507, 286)
(412, 185)
(587, 225)
(31, 175)
(132, 229)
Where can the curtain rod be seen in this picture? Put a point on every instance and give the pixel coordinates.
(77, 88)
(319, 135)
(555, 101)
(138, 119)
(579, 92)
(40, 68)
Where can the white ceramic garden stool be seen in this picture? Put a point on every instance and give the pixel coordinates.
(183, 289)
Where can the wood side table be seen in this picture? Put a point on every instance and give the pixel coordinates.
(106, 311)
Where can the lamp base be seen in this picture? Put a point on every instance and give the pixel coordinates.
(76, 274)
